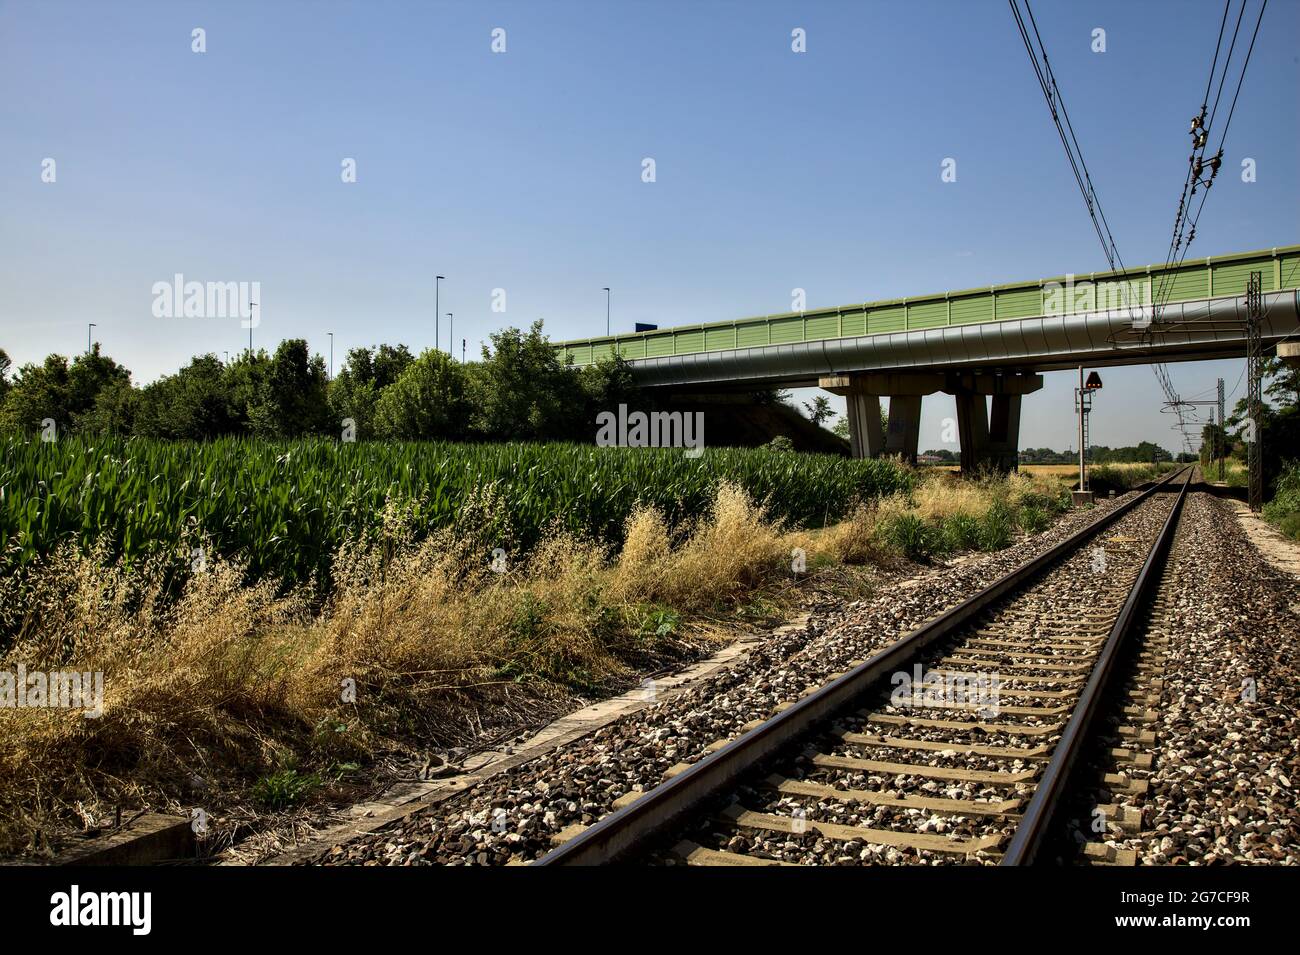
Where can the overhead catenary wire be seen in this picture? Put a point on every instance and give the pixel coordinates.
(1074, 154)
(1185, 225)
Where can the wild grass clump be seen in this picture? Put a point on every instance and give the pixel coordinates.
(1284, 509)
(946, 513)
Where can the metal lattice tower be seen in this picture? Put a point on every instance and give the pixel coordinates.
(1254, 397)
(1221, 438)
(1217, 441)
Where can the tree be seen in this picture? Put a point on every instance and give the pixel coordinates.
(355, 391)
(114, 410)
(292, 400)
(427, 401)
(842, 424)
(819, 409)
(59, 391)
(197, 403)
(38, 392)
(5, 365)
(1278, 426)
(522, 391)
(607, 384)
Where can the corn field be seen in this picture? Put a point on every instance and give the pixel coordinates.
(283, 508)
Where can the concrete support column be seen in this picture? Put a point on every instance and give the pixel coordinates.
(864, 424)
(972, 430)
(904, 426)
(1004, 433)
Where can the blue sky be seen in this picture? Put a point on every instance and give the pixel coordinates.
(522, 170)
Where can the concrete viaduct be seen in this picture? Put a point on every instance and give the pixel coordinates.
(987, 347)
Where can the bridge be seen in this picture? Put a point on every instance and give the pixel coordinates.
(980, 345)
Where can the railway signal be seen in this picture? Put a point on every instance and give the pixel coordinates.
(1082, 407)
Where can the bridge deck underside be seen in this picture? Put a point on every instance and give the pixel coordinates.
(1186, 331)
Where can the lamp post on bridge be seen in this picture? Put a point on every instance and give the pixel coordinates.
(437, 288)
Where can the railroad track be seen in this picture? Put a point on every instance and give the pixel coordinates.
(954, 745)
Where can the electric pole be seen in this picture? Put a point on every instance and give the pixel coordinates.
(89, 347)
(1254, 398)
(1079, 402)
(1222, 436)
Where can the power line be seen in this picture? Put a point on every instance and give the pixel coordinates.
(1185, 224)
(1073, 152)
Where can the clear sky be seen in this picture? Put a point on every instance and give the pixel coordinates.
(522, 170)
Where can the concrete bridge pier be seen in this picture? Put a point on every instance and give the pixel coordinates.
(904, 426)
(865, 435)
(986, 441)
(990, 440)
(863, 391)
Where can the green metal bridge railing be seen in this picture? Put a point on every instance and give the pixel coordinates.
(1214, 277)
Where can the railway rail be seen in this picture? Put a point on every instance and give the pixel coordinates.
(955, 744)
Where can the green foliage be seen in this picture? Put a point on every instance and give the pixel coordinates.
(819, 409)
(912, 537)
(1033, 519)
(292, 399)
(194, 403)
(427, 401)
(63, 392)
(660, 622)
(1284, 509)
(284, 507)
(961, 532)
(522, 391)
(780, 443)
(997, 527)
(284, 788)
(355, 390)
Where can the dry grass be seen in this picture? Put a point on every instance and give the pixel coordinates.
(228, 684)
(941, 495)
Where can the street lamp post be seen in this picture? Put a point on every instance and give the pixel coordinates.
(436, 289)
(451, 336)
(607, 293)
(251, 323)
(331, 334)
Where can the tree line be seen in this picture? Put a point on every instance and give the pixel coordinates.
(519, 390)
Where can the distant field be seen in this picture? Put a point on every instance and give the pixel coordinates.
(1067, 469)
(1073, 469)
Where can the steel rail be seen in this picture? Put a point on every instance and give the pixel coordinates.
(1037, 819)
(617, 834)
